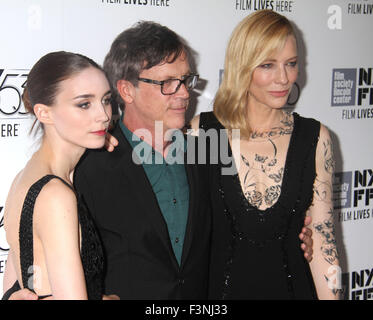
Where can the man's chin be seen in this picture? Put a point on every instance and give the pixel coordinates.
(177, 124)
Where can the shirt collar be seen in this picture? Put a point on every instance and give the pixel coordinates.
(178, 145)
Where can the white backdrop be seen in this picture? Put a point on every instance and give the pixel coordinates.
(336, 85)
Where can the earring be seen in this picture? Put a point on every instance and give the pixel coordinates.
(296, 95)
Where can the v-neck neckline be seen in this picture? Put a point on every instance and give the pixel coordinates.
(285, 178)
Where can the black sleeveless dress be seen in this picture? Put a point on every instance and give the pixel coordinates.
(91, 250)
(256, 254)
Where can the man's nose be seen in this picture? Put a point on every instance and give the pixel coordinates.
(182, 92)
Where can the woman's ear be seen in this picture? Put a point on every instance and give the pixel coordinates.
(126, 90)
(43, 113)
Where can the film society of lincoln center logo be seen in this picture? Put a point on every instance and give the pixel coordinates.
(343, 87)
(353, 189)
(353, 193)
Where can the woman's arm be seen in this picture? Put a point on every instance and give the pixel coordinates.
(57, 227)
(325, 265)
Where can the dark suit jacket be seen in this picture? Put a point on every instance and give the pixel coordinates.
(140, 263)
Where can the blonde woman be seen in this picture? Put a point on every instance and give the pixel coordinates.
(284, 172)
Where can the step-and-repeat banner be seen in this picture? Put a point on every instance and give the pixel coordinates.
(335, 85)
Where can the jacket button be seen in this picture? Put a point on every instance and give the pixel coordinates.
(181, 281)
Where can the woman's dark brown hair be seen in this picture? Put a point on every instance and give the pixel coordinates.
(43, 81)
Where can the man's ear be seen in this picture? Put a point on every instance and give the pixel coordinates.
(126, 90)
(43, 113)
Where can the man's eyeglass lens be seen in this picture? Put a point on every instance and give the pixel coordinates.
(172, 85)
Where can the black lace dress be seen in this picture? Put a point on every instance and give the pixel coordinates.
(91, 250)
(256, 254)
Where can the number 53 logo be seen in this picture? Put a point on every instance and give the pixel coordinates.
(12, 83)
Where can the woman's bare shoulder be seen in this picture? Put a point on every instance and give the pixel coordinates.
(56, 194)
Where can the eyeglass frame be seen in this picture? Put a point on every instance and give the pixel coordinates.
(161, 83)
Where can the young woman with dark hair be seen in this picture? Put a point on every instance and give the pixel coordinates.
(54, 248)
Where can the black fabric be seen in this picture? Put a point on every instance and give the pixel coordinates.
(256, 254)
(139, 257)
(91, 250)
(11, 290)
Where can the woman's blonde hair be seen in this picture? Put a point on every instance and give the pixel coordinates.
(254, 40)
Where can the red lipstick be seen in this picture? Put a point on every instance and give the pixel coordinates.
(279, 93)
(99, 132)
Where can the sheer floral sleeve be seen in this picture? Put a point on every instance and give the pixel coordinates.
(325, 265)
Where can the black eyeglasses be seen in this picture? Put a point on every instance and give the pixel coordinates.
(170, 86)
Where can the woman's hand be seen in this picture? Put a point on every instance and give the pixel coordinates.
(23, 294)
(306, 237)
(110, 297)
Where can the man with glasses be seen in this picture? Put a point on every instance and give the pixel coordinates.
(153, 215)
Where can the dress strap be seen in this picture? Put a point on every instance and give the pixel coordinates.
(207, 120)
(26, 243)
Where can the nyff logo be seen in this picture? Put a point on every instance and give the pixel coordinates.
(360, 283)
(363, 185)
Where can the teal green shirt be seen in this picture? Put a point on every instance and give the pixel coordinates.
(169, 182)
